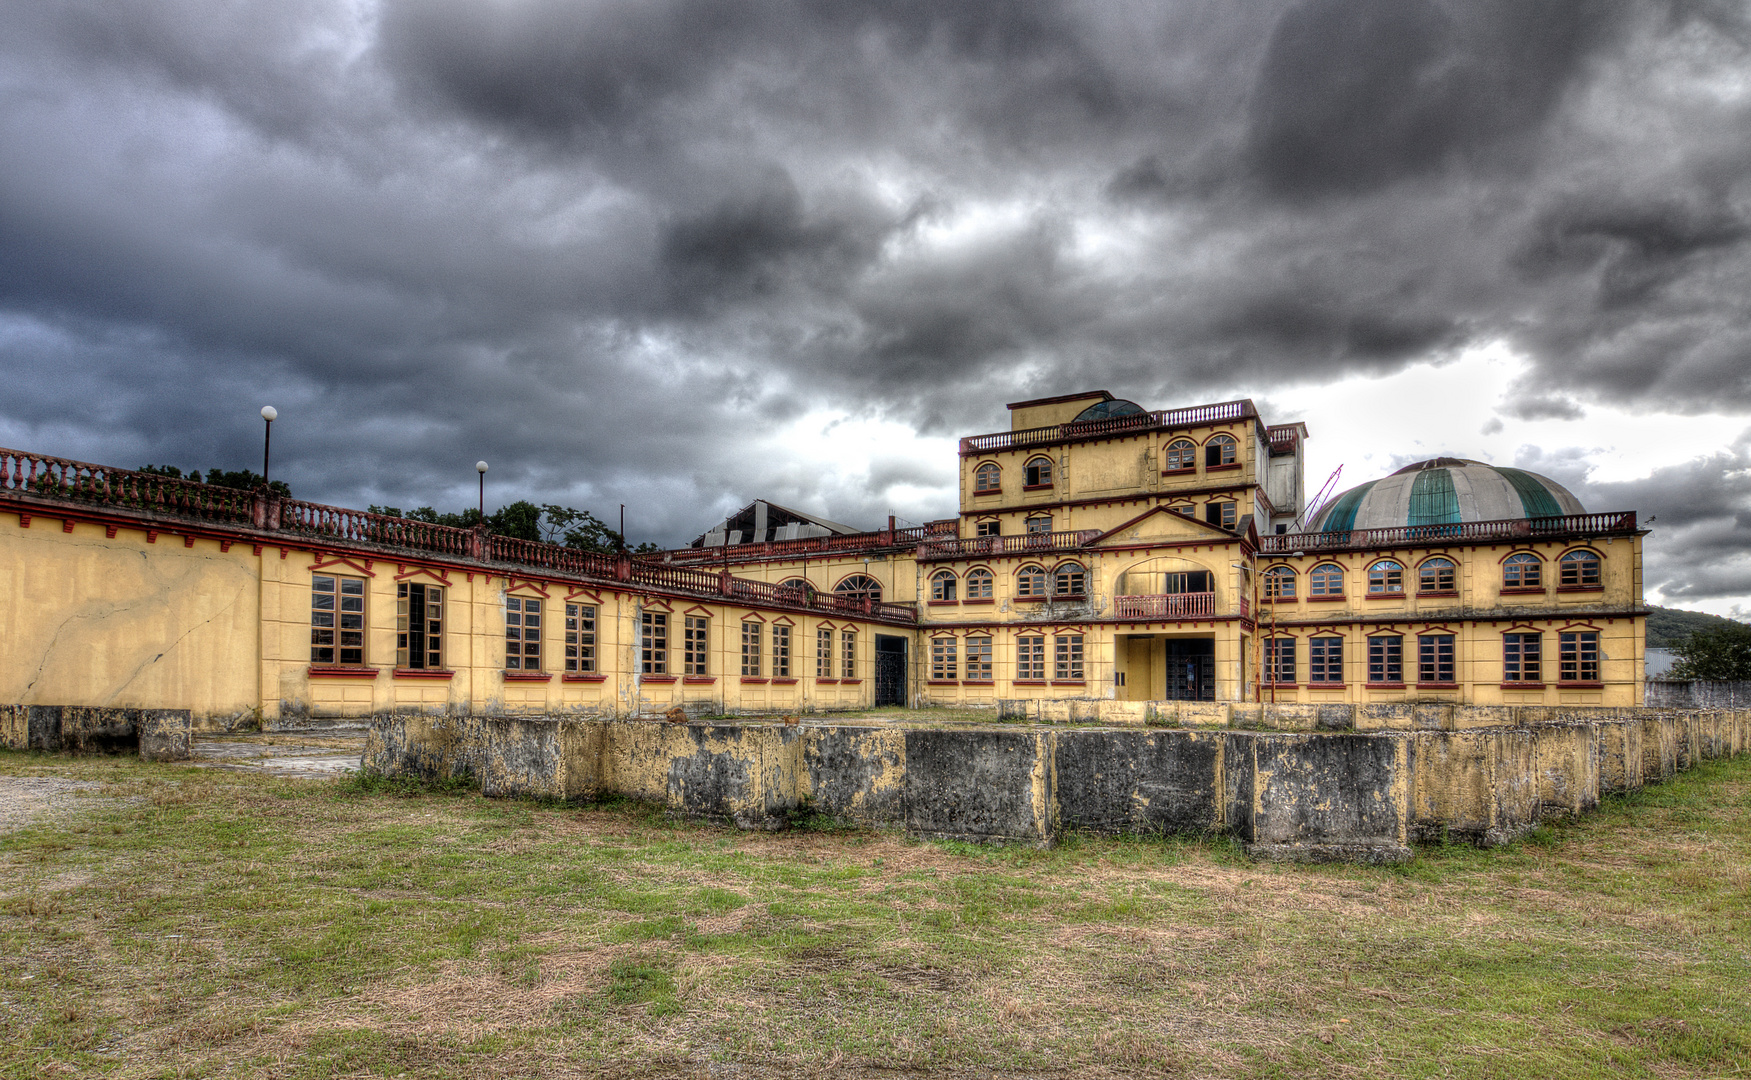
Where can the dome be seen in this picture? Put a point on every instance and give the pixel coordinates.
(1108, 410)
(1444, 491)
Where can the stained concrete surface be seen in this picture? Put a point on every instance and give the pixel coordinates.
(289, 754)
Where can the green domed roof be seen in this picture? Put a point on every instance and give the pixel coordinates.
(1444, 491)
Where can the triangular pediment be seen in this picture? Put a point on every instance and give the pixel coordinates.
(1162, 525)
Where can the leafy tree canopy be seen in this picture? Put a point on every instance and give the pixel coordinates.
(242, 479)
(554, 524)
(1668, 627)
(1720, 653)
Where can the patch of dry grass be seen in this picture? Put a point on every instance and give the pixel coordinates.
(192, 923)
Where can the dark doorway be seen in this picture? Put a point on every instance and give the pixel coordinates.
(1191, 670)
(890, 670)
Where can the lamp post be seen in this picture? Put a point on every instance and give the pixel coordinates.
(480, 467)
(268, 414)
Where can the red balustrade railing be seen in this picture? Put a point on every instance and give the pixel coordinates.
(1160, 419)
(1284, 438)
(1621, 521)
(360, 526)
(1161, 606)
(1020, 544)
(60, 478)
(43, 477)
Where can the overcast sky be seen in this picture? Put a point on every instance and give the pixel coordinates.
(685, 254)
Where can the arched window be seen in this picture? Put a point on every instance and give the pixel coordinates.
(1523, 571)
(1070, 579)
(1038, 472)
(859, 587)
(801, 586)
(988, 478)
(1385, 576)
(1030, 581)
(1327, 579)
(1280, 583)
(1578, 569)
(979, 584)
(1181, 454)
(1219, 451)
(1437, 575)
(943, 585)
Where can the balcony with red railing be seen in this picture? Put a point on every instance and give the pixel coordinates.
(975, 547)
(1134, 424)
(840, 544)
(1165, 607)
(1537, 528)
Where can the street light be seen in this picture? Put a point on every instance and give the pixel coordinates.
(480, 467)
(269, 414)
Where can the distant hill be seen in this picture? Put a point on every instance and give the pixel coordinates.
(1667, 627)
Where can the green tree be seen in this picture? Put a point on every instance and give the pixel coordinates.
(1721, 653)
(242, 479)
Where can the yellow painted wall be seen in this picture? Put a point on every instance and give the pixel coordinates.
(124, 622)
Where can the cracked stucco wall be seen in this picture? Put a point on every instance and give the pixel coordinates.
(122, 622)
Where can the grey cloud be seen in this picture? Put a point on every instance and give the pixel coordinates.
(1532, 406)
(600, 242)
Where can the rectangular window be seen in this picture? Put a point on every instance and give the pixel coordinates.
(1435, 658)
(1039, 525)
(823, 653)
(1280, 660)
(695, 635)
(419, 626)
(979, 659)
(1220, 513)
(522, 634)
(752, 633)
(337, 620)
(1067, 656)
(988, 528)
(654, 642)
(580, 638)
(1030, 657)
(1385, 660)
(1188, 581)
(943, 666)
(1578, 658)
(781, 652)
(1325, 660)
(848, 653)
(1521, 656)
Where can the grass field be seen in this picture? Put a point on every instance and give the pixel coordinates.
(188, 922)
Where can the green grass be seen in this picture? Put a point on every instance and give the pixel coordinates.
(194, 923)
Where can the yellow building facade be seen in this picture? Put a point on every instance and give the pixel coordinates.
(1101, 551)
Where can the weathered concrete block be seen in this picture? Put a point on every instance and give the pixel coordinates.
(15, 727)
(1620, 754)
(1480, 785)
(856, 773)
(523, 758)
(1287, 716)
(1013, 709)
(1385, 716)
(1687, 740)
(1138, 781)
(43, 728)
(748, 774)
(165, 734)
(1246, 715)
(1659, 747)
(1481, 717)
(1531, 715)
(1336, 717)
(1328, 797)
(1568, 768)
(979, 785)
(1427, 716)
(427, 746)
(1204, 713)
(88, 730)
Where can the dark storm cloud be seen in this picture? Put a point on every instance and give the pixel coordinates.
(616, 246)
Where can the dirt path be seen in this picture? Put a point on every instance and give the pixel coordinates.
(24, 799)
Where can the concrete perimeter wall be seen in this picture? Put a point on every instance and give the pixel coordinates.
(156, 734)
(1360, 795)
(1699, 694)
